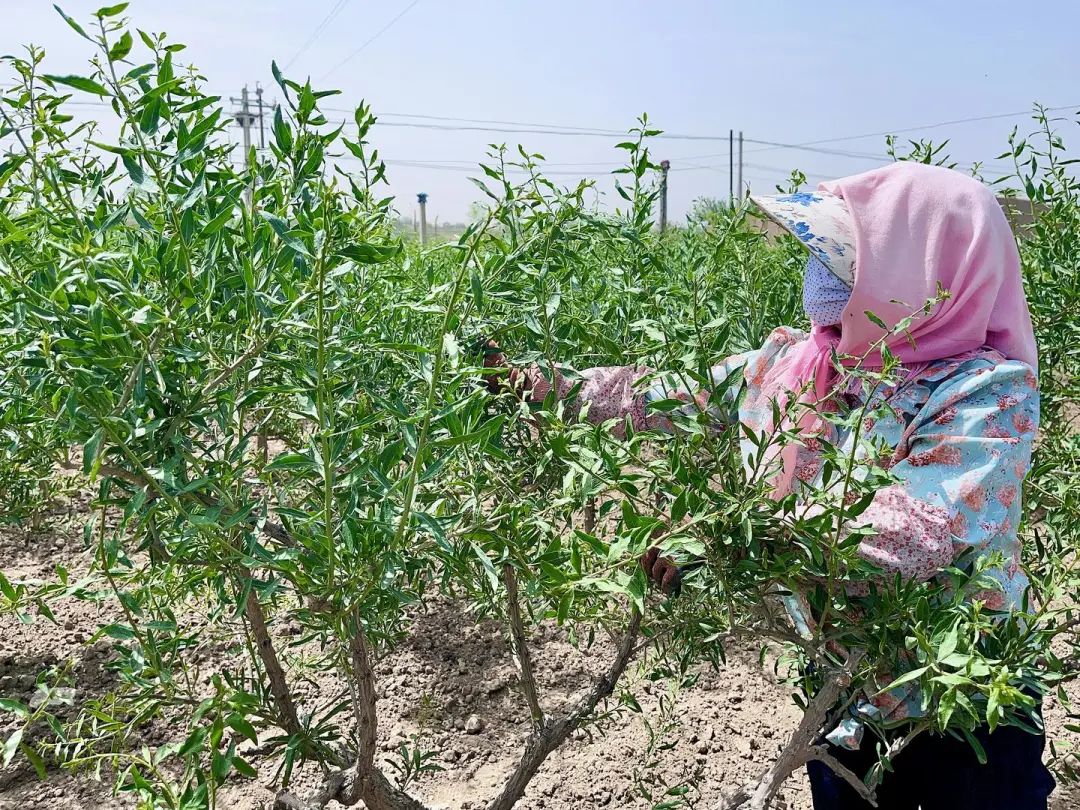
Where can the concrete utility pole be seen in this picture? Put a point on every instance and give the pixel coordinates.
(731, 167)
(742, 189)
(422, 199)
(665, 165)
(262, 129)
(246, 119)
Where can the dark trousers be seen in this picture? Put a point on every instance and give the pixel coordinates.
(943, 773)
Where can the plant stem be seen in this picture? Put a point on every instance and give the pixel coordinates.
(520, 646)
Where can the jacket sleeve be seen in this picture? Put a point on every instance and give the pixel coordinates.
(960, 468)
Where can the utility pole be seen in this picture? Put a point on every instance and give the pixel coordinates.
(246, 119)
(422, 199)
(742, 190)
(665, 165)
(731, 167)
(262, 129)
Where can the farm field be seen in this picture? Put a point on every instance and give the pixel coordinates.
(431, 689)
(274, 533)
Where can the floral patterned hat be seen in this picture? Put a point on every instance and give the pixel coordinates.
(822, 222)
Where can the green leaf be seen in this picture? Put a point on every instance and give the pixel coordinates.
(11, 746)
(291, 461)
(35, 760)
(477, 288)
(282, 132)
(110, 11)
(78, 28)
(566, 601)
(489, 569)
(7, 589)
(907, 677)
(14, 706)
(218, 222)
(222, 763)
(980, 752)
(636, 587)
(242, 726)
(151, 115)
(243, 767)
(121, 632)
(121, 48)
(363, 253)
(134, 170)
(281, 228)
(948, 644)
(91, 449)
(874, 319)
(193, 742)
(79, 83)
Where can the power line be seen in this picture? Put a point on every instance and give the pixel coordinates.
(517, 127)
(317, 32)
(484, 121)
(373, 37)
(599, 133)
(937, 125)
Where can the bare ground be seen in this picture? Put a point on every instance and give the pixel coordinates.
(452, 671)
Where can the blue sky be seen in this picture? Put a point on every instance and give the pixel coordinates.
(787, 72)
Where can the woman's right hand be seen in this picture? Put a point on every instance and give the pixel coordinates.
(503, 378)
(663, 572)
(494, 358)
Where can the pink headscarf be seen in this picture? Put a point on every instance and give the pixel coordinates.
(916, 227)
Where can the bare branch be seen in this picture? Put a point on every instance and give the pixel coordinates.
(590, 516)
(279, 685)
(364, 781)
(801, 746)
(520, 646)
(556, 729)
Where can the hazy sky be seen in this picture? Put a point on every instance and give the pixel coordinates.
(787, 72)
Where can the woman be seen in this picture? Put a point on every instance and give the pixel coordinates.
(962, 424)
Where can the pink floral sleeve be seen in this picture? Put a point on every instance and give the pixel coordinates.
(609, 392)
(618, 392)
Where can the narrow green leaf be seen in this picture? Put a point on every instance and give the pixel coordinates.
(477, 288)
(120, 632)
(907, 677)
(91, 449)
(364, 253)
(242, 726)
(11, 746)
(79, 83)
(78, 28)
(874, 319)
(35, 760)
(14, 706)
(134, 170)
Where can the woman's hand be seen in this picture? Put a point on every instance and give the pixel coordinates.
(494, 358)
(502, 378)
(662, 572)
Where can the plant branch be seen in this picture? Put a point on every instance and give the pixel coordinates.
(556, 729)
(520, 647)
(801, 746)
(264, 645)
